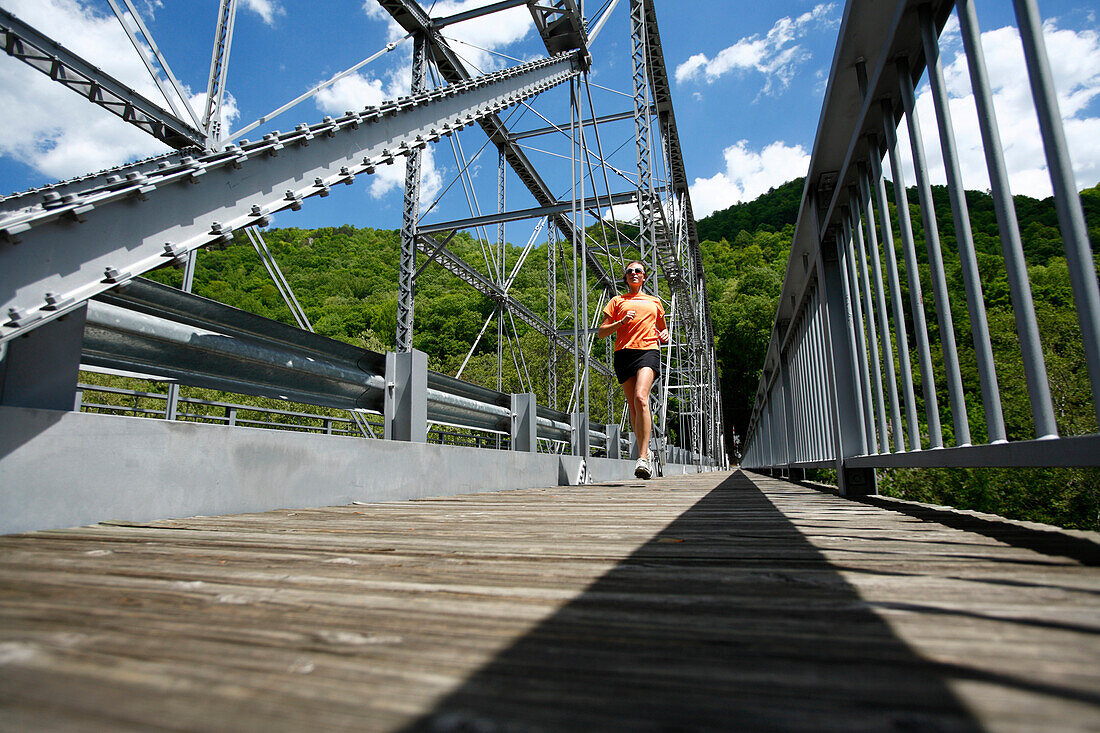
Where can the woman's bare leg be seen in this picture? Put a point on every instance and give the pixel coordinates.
(628, 392)
(639, 396)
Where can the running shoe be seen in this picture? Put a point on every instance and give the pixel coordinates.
(641, 468)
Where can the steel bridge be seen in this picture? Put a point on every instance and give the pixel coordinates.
(72, 255)
(447, 587)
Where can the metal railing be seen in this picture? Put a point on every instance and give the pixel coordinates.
(838, 388)
(150, 329)
(215, 412)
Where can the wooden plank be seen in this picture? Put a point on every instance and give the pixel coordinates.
(705, 601)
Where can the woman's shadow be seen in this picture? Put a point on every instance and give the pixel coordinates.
(729, 618)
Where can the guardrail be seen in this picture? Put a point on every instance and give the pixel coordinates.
(151, 329)
(236, 414)
(829, 395)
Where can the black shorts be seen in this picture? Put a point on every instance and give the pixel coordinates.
(629, 361)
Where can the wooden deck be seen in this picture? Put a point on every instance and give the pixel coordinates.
(713, 601)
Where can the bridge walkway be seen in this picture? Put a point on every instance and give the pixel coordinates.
(731, 601)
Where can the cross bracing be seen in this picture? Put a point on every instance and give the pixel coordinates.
(63, 244)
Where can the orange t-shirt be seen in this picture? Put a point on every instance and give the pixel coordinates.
(640, 333)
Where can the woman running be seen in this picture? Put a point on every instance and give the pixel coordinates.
(638, 322)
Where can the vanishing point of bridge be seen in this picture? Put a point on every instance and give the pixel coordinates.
(229, 577)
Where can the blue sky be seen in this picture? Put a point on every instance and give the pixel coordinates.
(748, 80)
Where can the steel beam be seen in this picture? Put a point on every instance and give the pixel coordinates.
(67, 249)
(1082, 450)
(560, 24)
(589, 122)
(149, 328)
(477, 13)
(23, 42)
(219, 69)
(406, 275)
(519, 214)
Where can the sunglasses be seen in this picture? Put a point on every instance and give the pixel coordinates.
(632, 270)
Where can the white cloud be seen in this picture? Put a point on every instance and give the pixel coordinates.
(266, 9)
(776, 55)
(477, 38)
(56, 131)
(1075, 64)
(351, 93)
(748, 174)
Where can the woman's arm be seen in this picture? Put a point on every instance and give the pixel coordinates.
(609, 326)
(662, 329)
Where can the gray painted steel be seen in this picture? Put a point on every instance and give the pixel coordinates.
(964, 237)
(101, 231)
(1071, 219)
(410, 213)
(597, 202)
(1038, 386)
(72, 251)
(884, 47)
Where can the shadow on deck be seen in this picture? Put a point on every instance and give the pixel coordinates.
(733, 602)
(729, 618)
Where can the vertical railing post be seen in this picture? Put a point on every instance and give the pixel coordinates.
(916, 295)
(894, 283)
(885, 339)
(944, 320)
(580, 438)
(614, 440)
(859, 347)
(406, 400)
(872, 330)
(1071, 219)
(788, 406)
(848, 440)
(524, 424)
(850, 324)
(1023, 307)
(979, 326)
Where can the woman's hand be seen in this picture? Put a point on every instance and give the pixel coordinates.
(662, 335)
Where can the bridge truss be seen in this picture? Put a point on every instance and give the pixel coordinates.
(72, 253)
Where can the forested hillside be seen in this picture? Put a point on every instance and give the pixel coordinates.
(775, 209)
(745, 257)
